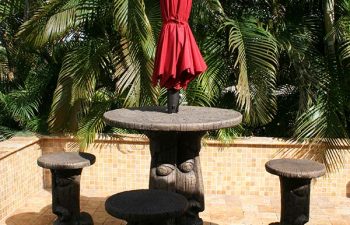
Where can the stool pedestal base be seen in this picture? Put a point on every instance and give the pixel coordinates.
(295, 201)
(66, 198)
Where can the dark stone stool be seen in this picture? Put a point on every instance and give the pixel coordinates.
(66, 168)
(147, 207)
(295, 177)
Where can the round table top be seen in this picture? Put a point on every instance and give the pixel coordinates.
(295, 168)
(66, 160)
(146, 205)
(189, 118)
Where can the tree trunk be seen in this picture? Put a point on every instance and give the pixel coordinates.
(328, 12)
(26, 10)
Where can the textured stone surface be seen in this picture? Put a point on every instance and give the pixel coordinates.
(175, 143)
(295, 168)
(66, 168)
(295, 177)
(189, 118)
(175, 166)
(66, 160)
(146, 205)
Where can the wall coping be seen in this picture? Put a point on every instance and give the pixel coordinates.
(16, 144)
(19, 143)
(261, 142)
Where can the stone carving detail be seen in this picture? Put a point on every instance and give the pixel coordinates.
(187, 166)
(175, 166)
(165, 169)
(66, 198)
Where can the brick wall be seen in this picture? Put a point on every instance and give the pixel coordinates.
(233, 169)
(20, 176)
(123, 164)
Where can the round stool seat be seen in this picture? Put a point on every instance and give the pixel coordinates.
(295, 168)
(66, 160)
(146, 205)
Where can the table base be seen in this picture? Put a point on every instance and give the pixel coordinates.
(175, 166)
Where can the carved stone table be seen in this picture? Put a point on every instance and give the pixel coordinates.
(295, 176)
(175, 143)
(146, 207)
(66, 168)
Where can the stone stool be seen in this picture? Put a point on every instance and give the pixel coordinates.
(295, 176)
(66, 168)
(147, 207)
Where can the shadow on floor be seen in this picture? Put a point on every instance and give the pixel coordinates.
(34, 213)
(209, 223)
(42, 217)
(275, 223)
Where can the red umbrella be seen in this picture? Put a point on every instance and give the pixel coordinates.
(178, 59)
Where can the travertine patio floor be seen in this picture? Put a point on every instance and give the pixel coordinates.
(220, 210)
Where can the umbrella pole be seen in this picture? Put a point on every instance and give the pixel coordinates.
(173, 99)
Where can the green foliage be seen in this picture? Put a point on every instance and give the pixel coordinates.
(63, 63)
(257, 62)
(76, 84)
(92, 121)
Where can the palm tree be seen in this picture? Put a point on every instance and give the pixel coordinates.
(255, 47)
(325, 120)
(283, 45)
(313, 45)
(23, 75)
(104, 62)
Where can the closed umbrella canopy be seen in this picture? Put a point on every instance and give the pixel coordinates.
(178, 59)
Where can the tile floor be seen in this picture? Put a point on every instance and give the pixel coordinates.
(220, 210)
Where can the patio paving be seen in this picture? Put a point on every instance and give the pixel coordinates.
(220, 210)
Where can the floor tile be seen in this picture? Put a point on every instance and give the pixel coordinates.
(220, 210)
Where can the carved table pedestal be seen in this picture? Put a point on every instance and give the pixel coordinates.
(175, 143)
(66, 168)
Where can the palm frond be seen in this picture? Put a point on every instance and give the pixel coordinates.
(324, 127)
(195, 95)
(56, 20)
(134, 60)
(257, 60)
(92, 122)
(76, 83)
(4, 69)
(9, 7)
(121, 14)
(228, 134)
(20, 104)
(216, 7)
(6, 133)
(342, 32)
(309, 69)
(325, 122)
(154, 16)
(215, 79)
